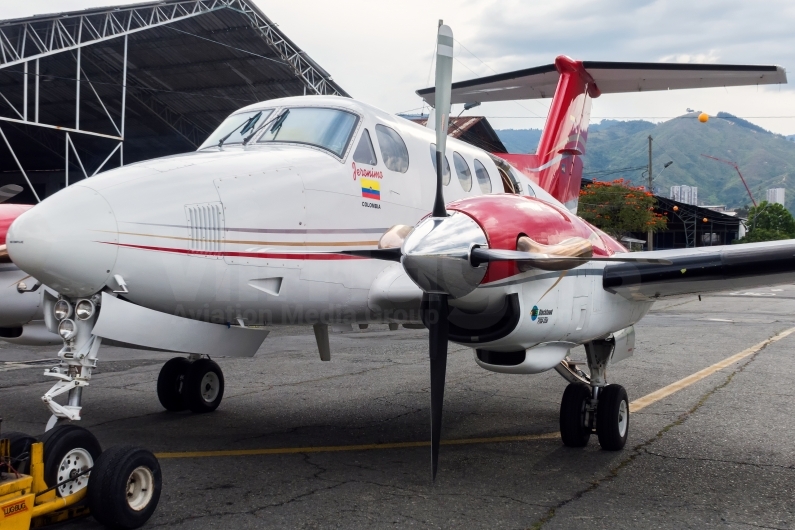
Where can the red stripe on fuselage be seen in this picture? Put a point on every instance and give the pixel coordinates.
(269, 255)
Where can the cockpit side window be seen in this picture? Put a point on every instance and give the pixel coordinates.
(445, 166)
(365, 154)
(393, 149)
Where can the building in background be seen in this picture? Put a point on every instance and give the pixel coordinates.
(776, 195)
(94, 89)
(685, 194)
(474, 130)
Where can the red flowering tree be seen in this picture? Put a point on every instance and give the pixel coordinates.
(619, 208)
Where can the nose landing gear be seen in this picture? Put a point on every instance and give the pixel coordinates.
(195, 384)
(590, 405)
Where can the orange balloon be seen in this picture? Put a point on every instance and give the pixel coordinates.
(703, 117)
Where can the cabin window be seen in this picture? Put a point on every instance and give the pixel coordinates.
(237, 127)
(445, 169)
(483, 177)
(393, 149)
(462, 170)
(329, 129)
(365, 154)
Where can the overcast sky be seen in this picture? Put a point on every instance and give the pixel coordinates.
(381, 52)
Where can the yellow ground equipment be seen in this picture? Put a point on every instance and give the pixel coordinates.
(66, 475)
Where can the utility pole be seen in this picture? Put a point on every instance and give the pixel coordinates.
(649, 235)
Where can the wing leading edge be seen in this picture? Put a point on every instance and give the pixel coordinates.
(611, 78)
(703, 270)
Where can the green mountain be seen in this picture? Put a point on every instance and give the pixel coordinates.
(520, 140)
(766, 160)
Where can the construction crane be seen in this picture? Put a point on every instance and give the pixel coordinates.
(736, 168)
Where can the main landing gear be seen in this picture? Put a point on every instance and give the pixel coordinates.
(590, 405)
(196, 383)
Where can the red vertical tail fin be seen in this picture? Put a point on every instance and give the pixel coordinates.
(557, 164)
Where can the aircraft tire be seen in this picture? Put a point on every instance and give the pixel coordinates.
(170, 383)
(68, 448)
(20, 450)
(573, 430)
(203, 388)
(125, 487)
(612, 417)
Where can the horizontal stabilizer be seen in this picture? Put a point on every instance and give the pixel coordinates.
(611, 78)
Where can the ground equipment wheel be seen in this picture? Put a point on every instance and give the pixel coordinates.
(68, 451)
(20, 449)
(125, 487)
(170, 383)
(574, 431)
(203, 388)
(612, 417)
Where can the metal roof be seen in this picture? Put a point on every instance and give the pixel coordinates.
(190, 63)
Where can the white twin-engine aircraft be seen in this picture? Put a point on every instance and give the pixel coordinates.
(326, 211)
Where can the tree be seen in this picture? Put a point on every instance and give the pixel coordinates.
(619, 208)
(768, 222)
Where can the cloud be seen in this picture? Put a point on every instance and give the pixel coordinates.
(381, 52)
(699, 58)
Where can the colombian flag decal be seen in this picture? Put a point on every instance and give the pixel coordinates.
(371, 189)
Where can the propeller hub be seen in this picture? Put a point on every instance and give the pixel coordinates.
(436, 255)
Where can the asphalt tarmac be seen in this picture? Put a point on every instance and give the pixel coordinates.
(719, 453)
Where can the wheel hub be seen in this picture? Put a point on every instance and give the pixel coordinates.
(623, 416)
(140, 488)
(210, 386)
(75, 462)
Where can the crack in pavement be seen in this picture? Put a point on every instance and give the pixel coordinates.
(704, 459)
(640, 449)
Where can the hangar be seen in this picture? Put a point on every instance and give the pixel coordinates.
(85, 91)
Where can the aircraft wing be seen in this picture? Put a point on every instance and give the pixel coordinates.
(702, 270)
(610, 78)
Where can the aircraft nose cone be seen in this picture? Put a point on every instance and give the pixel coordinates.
(63, 241)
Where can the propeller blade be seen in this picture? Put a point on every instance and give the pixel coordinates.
(487, 255)
(8, 191)
(438, 330)
(386, 254)
(444, 79)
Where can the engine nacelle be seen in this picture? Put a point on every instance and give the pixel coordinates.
(533, 360)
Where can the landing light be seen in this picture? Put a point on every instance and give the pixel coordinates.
(62, 309)
(67, 329)
(84, 309)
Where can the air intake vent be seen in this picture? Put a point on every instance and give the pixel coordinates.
(206, 228)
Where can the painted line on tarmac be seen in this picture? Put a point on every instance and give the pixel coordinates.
(365, 447)
(635, 406)
(664, 392)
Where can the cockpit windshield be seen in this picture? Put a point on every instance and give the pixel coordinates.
(237, 127)
(329, 129)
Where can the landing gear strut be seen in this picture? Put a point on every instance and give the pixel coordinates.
(590, 405)
(196, 384)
